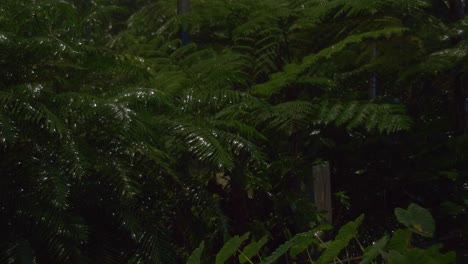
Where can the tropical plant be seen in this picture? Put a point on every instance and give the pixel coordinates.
(396, 248)
(119, 144)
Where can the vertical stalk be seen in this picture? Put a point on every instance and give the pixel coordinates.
(183, 8)
(457, 9)
(373, 87)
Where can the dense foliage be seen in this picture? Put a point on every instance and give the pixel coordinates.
(396, 248)
(118, 144)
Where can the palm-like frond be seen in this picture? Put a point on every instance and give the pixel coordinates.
(203, 144)
(341, 9)
(310, 64)
(63, 130)
(441, 62)
(382, 117)
(299, 115)
(110, 130)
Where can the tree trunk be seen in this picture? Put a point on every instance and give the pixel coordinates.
(240, 213)
(183, 7)
(461, 104)
(457, 9)
(373, 85)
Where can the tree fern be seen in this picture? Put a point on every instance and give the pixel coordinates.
(440, 62)
(310, 63)
(112, 134)
(204, 145)
(383, 117)
(293, 116)
(338, 9)
(65, 136)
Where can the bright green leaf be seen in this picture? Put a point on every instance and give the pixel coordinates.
(230, 247)
(251, 249)
(418, 219)
(195, 257)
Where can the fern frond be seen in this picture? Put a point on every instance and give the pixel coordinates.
(143, 98)
(244, 130)
(203, 144)
(240, 146)
(340, 9)
(440, 62)
(8, 131)
(288, 117)
(382, 117)
(310, 63)
(29, 114)
(73, 160)
(162, 15)
(214, 100)
(343, 8)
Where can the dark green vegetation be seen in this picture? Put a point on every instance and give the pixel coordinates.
(120, 145)
(394, 249)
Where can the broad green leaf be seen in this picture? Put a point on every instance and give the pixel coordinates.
(349, 230)
(421, 256)
(395, 257)
(371, 252)
(252, 249)
(279, 252)
(400, 240)
(433, 255)
(304, 240)
(332, 250)
(418, 219)
(301, 242)
(230, 247)
(195, 257)
(345, 234)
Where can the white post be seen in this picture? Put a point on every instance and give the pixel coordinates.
(322, 189)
